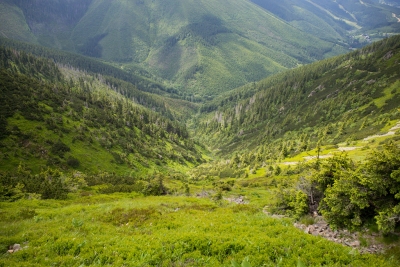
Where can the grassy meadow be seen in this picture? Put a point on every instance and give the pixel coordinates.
(132, 230)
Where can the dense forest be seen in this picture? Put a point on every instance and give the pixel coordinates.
(92, 66)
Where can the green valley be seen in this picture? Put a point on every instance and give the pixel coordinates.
(105, 151)
(182, 134)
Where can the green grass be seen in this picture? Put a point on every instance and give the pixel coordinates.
(388, 92)
(130, 230)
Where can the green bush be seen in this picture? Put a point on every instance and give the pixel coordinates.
(352, 196)
(60, 148)
(73, 162)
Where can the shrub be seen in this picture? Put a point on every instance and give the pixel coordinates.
(60, 148)
(73, 162)
(119, 216)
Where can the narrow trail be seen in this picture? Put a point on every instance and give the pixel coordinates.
(392, 131)
(394, 16)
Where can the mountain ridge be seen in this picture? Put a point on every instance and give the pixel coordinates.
(347, 21)
(198, 47)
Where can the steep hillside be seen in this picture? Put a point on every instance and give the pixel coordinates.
(200, 47)
(331, 101)
(55, 116)
(138, 79)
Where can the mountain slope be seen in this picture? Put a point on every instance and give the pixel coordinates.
(341, 20)
(60, 117)
(343, 98)
(202, 47)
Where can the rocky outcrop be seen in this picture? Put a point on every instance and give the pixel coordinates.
(237, 200)
(14, 248)
(344, 237)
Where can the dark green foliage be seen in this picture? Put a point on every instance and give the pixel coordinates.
(93, 66)
(291, 202)
(223, 185)
(349, 194)
(27, 213)
(3, 127)
(73, 110)
(370, 190)
(73, 162)
(325, 102)
(48, 184)
(60, 148)
(136, 217)
(154, 186)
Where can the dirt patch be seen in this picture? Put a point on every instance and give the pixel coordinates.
(315, 157)
(349, 148)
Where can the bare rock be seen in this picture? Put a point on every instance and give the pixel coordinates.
(370, 82)
(16, 247)
(388, 55)
(309, 229)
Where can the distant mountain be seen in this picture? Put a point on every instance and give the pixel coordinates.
(362, 21)
(395, 3)
(201, 47)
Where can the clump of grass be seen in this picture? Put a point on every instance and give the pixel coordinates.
(119, 216)
(390, 238)
(250, 209)
(27, 213)
(363, 241)
(307, 220)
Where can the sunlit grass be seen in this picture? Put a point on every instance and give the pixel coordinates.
(166, 230)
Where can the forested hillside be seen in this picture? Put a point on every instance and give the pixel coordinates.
(55, 117)
(141, 80)
(290, 132)
(343, 98)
